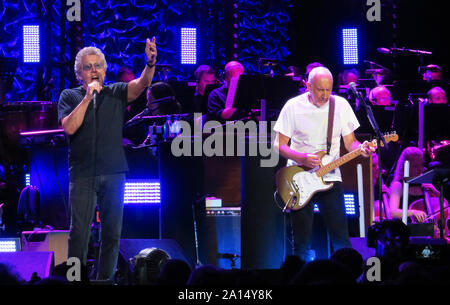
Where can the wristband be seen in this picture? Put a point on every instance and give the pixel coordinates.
(149, 65)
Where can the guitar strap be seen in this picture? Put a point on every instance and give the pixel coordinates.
(330, 122)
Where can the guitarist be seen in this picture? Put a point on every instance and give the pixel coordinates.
(302, 129)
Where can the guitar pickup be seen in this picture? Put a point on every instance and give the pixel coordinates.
(294, 186)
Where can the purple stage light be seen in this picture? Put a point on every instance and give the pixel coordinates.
(31, 44)
(188, 46)
(350, 46)
(41, 132)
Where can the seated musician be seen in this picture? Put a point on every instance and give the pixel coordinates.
(437, 95)
(416, 167)
(380, 96)
(157, 104)
(432, 72)
(217, 98)
(204, 75)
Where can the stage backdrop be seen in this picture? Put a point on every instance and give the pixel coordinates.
(120, 28)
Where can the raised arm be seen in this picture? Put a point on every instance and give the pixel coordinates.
(138, 85)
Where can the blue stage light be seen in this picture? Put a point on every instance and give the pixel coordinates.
(350, 202)
(31, 44)
(27, 179)
(189, 46)
(350, 46)
(141, 191)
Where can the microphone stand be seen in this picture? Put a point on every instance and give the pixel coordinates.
(94, 267)
(380, 139)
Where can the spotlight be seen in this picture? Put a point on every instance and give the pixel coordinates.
(148, 264)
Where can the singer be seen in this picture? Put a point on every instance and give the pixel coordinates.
(302, 130)
(92, 115)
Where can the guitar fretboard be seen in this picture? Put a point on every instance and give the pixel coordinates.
(338, 162)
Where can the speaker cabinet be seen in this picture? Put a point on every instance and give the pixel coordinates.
(262, 222)
(41, 241)
(26, 263)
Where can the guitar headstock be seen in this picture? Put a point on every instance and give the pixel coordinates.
(390, 137)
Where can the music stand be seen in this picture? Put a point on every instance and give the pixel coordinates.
(264, 92)
(403, 88)
(8, 68)
(440, 177)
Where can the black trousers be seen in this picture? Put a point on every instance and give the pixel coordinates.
(332, 208)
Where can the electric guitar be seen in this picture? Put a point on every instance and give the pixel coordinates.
(296, 185)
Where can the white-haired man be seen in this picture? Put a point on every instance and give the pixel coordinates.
(97, 162)
(303, 122)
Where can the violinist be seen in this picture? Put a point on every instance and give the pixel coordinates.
(416, 167)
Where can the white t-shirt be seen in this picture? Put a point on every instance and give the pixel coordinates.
(306, 125)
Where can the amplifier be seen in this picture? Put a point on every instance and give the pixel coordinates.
(220, 237)
(45, 241)
(231, 211)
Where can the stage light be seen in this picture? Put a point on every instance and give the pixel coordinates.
(350, 46)
(9, 244)
(142, 192)
(27, 179)
(189, 46)
(31, 44)
(148, 264)
(350, 202)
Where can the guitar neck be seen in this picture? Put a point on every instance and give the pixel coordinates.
(338, 162)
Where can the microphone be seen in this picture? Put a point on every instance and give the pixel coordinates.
(353, 86)
(227, 255)
(357, 94)
(384, 50)
(163, 99)
(95, 92)
(138, 116)
(94, 98)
